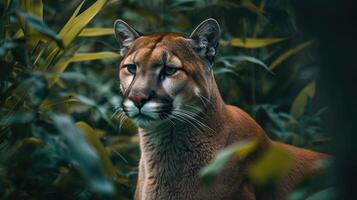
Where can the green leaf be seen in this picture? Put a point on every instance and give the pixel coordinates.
(299, 104)
(253, 43)
(33, 7)
(94, 56)
(223, 70)
(252, 60)
(326, 194)
(6, 45)
(94, 32)
(94, 139)
(63, 63)
(272, 167)
(77, 23)
(84, 157)
(36, 23)
(289, 53)
(241, 149)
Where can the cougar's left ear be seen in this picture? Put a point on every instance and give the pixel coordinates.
(125, 35)
(205, 38)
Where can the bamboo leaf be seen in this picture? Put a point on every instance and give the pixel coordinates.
(34, 7)
(326, 194)
(94, 141)
(253, 60)
(253, 43)
(299, 104)
(94, 56)
(77, 24)
(63, 63)
(289, 53)
(84, 157)
(93, 32)
(46, 104)
(36, 23)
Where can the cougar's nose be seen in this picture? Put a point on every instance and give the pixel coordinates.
(139, 99)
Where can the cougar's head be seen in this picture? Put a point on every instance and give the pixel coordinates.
(165, 76)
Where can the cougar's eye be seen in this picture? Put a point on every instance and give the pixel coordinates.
(169, 71)
(131, 68)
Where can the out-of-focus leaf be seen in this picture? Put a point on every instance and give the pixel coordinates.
(274, 165)
(94, 140)
(49, 104)
(83, 156)
(253, 60)
(289, 53)
(62, 64)
(252, 7)
(241, 149)
(223, 70)
(16, 118)
(24, 146)
(93, 32)
(33, 7)
(228, 4)
(326, 194)
(299, 104)
(253, 43)
(6, 45)
(36, 23)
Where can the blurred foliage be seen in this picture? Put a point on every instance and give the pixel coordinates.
(59, 137)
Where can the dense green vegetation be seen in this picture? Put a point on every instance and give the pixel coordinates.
(59, 134)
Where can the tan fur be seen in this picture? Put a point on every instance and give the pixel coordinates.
(172, 156)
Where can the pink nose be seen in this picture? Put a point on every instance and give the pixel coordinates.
(138, 99)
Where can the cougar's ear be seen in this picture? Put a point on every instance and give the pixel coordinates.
(125, 35)
(205, 38)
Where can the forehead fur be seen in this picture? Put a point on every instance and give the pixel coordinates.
(176, 44)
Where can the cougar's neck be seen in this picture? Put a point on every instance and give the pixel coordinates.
(177, 149)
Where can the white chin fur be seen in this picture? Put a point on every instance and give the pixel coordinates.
(149, 110)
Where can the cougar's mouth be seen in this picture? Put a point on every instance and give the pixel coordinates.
(149, 114)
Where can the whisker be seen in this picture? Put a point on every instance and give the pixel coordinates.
(191, 116)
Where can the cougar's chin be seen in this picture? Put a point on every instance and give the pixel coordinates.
(151, 114)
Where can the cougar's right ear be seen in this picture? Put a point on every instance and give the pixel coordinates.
(125, 35)
(205, 38)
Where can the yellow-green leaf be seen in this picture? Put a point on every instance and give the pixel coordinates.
(35, 8)
(253, 43)
(299, 104)
(94, 56)
(241, 149)
(53, 48)
(62, 65)
(94, 140)
(77, 24)
(289, 53)
(46, 104)
(94, 32)
(272, 167)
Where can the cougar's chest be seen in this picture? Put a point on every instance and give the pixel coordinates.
(172, 161)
